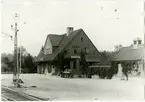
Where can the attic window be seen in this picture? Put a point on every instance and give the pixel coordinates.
(81, 38)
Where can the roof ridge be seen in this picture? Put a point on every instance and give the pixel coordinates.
(131, 45)
(65, 33)
(55, 34)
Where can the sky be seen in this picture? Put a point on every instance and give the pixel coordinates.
(106, 22)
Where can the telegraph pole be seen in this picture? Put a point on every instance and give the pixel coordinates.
(16, 63)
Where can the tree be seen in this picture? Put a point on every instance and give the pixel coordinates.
(107, 57)
(63, 59)
(27, 63)
(29, 66)
(118, 47)
(6, 62)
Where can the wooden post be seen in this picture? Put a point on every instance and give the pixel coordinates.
(41, 68)
(38, 69)
(78, 64)
(119, 73)
(71, 65)
(46, 68)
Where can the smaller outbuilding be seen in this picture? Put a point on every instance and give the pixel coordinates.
(131, 58)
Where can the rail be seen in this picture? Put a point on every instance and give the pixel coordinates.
(6, 98)
(13, 95)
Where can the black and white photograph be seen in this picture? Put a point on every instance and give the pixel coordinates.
(72, 50)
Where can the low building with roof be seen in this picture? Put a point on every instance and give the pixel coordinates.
(66, 46)
(132, 56)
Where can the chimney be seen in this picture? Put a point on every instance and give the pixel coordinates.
(69, 30)
(136, 43)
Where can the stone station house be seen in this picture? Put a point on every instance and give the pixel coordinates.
(70, 44)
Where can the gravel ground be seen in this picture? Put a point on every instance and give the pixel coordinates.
(57, 88)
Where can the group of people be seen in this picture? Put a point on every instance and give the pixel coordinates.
(128, 69)
(124, 73)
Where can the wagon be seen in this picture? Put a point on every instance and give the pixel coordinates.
(101, 70)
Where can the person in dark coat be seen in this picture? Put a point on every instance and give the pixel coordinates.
(125, 70)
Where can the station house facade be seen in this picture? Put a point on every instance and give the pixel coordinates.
(72, 42)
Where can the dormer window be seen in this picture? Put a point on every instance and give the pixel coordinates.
(135, 42)
(139, 42)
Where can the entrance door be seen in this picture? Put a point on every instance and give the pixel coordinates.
(74, 65)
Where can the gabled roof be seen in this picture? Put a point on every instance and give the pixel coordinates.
(40, 55)
(66, 40)
(62, 44)
(128, 53)
(56, 39)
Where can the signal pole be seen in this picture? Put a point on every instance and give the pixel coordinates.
(20, 60)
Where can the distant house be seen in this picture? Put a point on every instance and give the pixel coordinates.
(66, 46)
(133, 56)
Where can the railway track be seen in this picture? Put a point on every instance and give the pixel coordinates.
(8, 94)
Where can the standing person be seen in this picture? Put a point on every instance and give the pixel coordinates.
(130, 69)
(122, 65)
(125, 71)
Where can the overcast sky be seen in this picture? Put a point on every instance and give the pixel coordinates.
(106, 22)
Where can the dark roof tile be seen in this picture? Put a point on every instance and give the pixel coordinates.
(128, 53)
(57, 40)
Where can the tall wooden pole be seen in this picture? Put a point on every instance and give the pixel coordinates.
(16, 63)
(17, 50)
(144, 42)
